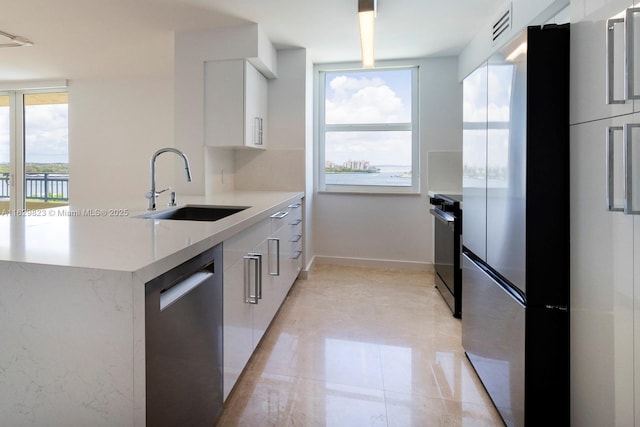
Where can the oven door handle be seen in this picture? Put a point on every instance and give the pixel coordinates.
(445, 217)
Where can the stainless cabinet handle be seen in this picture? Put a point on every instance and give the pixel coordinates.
(252, 279)
(258, 274)
(296, 222)
(630, 53)
(610, 169)
(257, 131)
(276, 258)
(294, 206)
(296, 238)
(610, 60)
(297, 255)
(279, 215)
(628, 161)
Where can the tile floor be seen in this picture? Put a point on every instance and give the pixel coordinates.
(360, 347)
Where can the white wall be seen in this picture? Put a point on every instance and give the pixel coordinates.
(396, 230)
(115, 125)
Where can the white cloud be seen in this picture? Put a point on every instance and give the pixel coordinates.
(363, 100)
(46, 134)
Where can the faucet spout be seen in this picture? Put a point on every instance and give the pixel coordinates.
(152, 194)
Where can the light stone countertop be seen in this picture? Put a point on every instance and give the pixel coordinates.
(72, 303)
(114, 239)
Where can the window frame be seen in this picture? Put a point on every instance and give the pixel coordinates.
(321, 71)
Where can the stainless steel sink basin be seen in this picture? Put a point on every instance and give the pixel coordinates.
(196, 213)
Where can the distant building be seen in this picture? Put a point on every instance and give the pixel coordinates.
(357, 165)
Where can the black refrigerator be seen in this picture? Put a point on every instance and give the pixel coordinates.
(515, 264)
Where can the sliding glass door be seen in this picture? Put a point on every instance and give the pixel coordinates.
(5, 154)
(34, 150)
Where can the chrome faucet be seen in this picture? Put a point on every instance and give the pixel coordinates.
(152, 194)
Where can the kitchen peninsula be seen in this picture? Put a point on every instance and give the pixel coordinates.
(72, 333)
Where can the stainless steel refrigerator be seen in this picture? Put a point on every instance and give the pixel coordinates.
(515, 278)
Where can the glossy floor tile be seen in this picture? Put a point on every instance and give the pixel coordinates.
(360, 347)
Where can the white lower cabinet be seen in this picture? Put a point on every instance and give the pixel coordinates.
(260, 265)
(238, 317)
(602, 282)
(285, 260)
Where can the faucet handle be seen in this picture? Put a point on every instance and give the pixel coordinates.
(149, 195)
(172, 199)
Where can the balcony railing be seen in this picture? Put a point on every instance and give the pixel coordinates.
(45, 186)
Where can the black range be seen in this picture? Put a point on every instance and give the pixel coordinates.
(447, 211)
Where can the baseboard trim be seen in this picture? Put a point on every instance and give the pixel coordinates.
(370, 263)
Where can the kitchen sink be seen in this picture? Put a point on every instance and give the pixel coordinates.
(196, 213)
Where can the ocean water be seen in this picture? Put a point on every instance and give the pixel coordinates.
(389, 176)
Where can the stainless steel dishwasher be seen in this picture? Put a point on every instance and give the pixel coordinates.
(183, 325)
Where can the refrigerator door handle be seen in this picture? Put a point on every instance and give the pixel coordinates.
(611, 23)
(609, 188)
(628, 161)
(629, 53)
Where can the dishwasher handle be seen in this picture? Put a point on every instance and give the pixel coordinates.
(182, 288)
(443, 216)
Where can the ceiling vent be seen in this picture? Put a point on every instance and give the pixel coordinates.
(502, 25)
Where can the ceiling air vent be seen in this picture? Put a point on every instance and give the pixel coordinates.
(501, 25)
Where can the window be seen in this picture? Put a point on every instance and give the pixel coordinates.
(368, 130)
(34, 150)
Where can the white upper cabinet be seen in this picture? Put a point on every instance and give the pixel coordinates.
(605, 57)
(598, 78)
(235, 105)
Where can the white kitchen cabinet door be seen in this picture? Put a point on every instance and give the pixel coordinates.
(255, 107)
(602, 365)
(589, 77)
(237, 326)
(235, 105)
(265, 308)
(238, 315)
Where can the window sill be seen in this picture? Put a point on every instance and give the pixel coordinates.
(371, 193)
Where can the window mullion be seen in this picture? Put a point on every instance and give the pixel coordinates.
(368, 127)
(16, 148)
